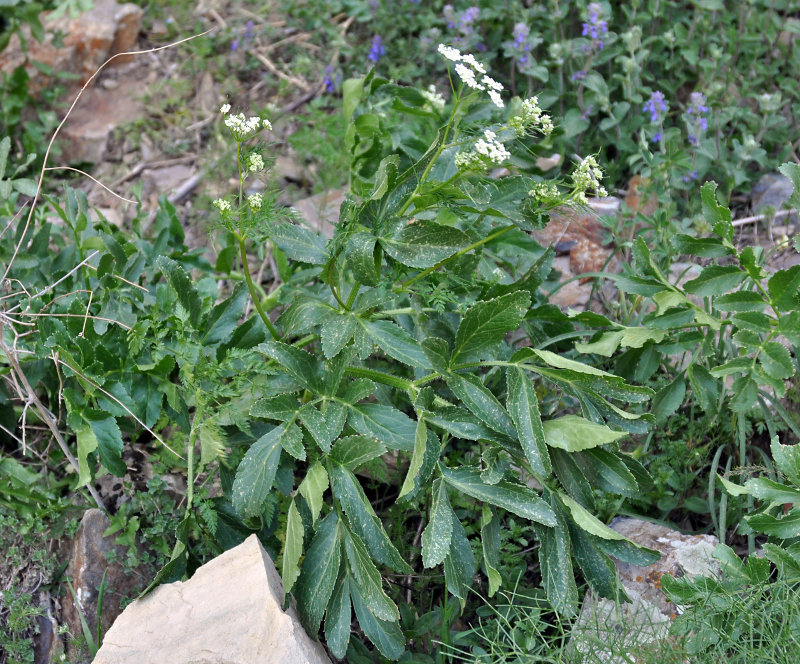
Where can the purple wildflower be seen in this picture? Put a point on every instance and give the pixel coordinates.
(521, 32)
(377, 49)
(330, 81)
(656, 106)
(695, 117)
(657, 137)
(594, 28)
(578, 75)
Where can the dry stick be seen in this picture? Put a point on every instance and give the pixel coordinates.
(93, 179)
(47, 416)
(18, 246)
(761, 217)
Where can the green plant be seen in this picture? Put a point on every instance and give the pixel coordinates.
(424, 303)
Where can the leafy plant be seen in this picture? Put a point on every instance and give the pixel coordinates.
(395, 340)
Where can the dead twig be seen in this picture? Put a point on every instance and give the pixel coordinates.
(762, 217)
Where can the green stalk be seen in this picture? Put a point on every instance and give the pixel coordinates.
(380, 377)
(252, 287)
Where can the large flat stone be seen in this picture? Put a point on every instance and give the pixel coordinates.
(229, 612)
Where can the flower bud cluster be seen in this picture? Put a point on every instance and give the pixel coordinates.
(242, 127)
(434, 100)
(545, 193)
(531, 116)
(255, 201)
(587, 176)
(255, 163)
(487, 149)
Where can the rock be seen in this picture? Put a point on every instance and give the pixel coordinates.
(47, 645)
(321, 211)
(166, 180)
(229, 612)
(85, 134)
(580, 236)
(610, 631)
(89, 40)
(87, 565)
(772, 191)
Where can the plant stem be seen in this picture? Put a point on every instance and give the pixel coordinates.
(380, 377)
(352, 298)
(252, 288)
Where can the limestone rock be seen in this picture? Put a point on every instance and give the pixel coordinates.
(229, 612)
(607, 631)
(88, 563)
(772, 191)
(89, 40)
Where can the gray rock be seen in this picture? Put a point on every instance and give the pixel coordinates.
(229, 612)
(608, 631)
(772, 191)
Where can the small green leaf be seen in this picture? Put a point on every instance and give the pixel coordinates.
(317, 425)
(742, 300)
(669, 398)
(396, 343)
(368, 579)
(256, 473)
(704, 386)
(355, 451)
(718, 215)
(299, 244)
(300, 365)
(339, 616)
(109, 441)
(490, 545)
(223, 318)
(392, 427)
(319, 572)
(386, 635)
(480, 401)
(438, 353)
(706, 247)
(785, 527)
(182, 284)
(360, 256)
(312, 488)
(587, 521)
(715, 280)
(776, 360)
(523, 406)
(555, 563)
(336, 331)
(515, 498)
(459, 565)
(486, 324)
(417, 457)
(87, 443)
(573, 433)
(423, 244)
(770, 491)
(437, 534)
(292, 548)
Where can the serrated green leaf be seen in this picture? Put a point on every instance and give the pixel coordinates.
(597, 567)
(182, 284)
(299, 244)
(490, 545)
(87, 443)
(368, 580)
(390, 426)
(608, 471)
(362, 519)
(742, 300)
(385, 635)
(355, 451)
(573, 433)
(480, 401)
(715, 280)
(706, 247)
(339, 616)
(558, 362)
(787, 458)
(256, 473)
(319, 572)
(459, 565)
(360, 256)
(396, 343)
(300, 365)
(486, 323)
(336, 331)
(358, 389)
(555, 563)
(776, 360)
(222, 319)
(292, 548)
(792, 171)
(669, 398)
(423, 244)
(737, 365)
(417, 457)
(523, 406)
(586, 520)
(515, 498)
(109, 441)
(785, 527)
(212, 442)
(606, 344)
(282, 407)
(771, 491)
(438, 353)
(292, 441)
(438, 532)
(718, 215)
(312, 488)
(317, 425)
(572, 478)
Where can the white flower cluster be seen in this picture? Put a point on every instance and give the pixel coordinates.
(241, 126)
(255, 163)
(531, 116)
(545, 192)
(434, 100)
(255, 201)
(222, 205)
(468, 69)
(486, 148)
(588, 176)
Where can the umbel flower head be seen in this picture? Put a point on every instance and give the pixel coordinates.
(243, 127)
(469, 70)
